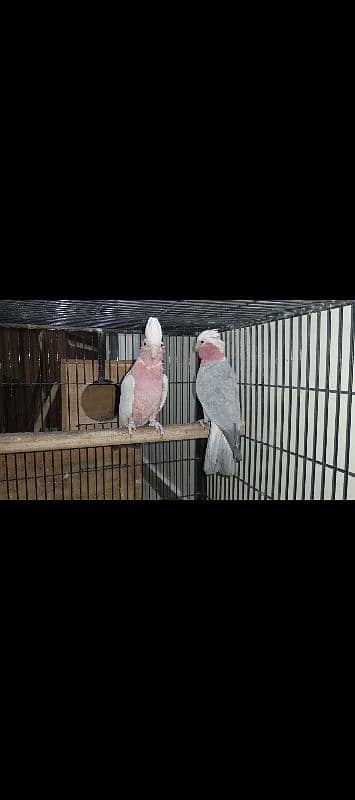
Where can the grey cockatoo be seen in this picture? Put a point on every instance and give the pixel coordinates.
(218, 392)
(145, 387)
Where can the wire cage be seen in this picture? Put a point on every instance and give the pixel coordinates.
(294, 360)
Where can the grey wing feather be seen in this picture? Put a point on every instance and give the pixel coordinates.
(126, 400)
(218, 392)
(164, 392)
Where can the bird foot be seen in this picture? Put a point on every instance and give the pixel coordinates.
(203, 423)
(131, 427)
(153, 423)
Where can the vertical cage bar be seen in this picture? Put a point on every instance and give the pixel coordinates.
(305, 439)
(256, 405)
(262, 389)
(234, 481)
(21, 372)
(337, 410)
(126, 448)
(290, 404)
(283, 368)
(41, 371)
(13, 387)
(268, 446)
(188, 342)
(201, 444)
(77, 409)
(220, 487)
(95, 455)
(53, 475)
(116, 381)
(44, 476)
(224, 478)
(231, 481)
(250, 331)
(275, 409)
(349, 403)
(298, 406)
(69, 420)
(2, 383)
(31, 379)
(245, 409)
(86, 449)
(50, 354)
(316, 404)
(242, 444)
(178, 444)
(181, 340)
(326, 403)
(165, 418)
(62, 468)
(134, 448)
(35, 461)
(57, 364)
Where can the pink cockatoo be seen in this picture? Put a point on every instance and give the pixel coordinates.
(145, 387)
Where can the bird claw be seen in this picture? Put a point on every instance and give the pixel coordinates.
(203, 423)
(131, 427)
(153, 423)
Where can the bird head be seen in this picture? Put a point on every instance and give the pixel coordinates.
(209, 345)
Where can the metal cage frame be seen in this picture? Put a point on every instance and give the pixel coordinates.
(295, 364)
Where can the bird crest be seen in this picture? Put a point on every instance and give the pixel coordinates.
(153, 331)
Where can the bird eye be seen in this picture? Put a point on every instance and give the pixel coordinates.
(145, 344)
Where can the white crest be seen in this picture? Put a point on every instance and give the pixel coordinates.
(212, 336)
(153, 331)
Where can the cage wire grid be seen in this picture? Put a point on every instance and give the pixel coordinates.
(295, 364)
(176, 316)
(166, 471)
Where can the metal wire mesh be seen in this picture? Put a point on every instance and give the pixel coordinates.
(42, 375)
(297, 388)
(296, 377)
(176, 316)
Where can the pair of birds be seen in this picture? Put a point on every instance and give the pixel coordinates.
(144, 390)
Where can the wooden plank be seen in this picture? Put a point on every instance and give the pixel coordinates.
(75, 377)
(3, 476)
(99, 466)
(42, 415)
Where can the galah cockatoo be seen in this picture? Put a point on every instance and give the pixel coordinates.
(145, 387)
(218, 392)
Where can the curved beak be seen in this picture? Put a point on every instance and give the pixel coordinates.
(155, 349)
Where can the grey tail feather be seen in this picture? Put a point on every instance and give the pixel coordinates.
(220, 458)
(233, 440)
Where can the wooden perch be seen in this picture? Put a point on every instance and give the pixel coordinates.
(112, 437)
(68, 440)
